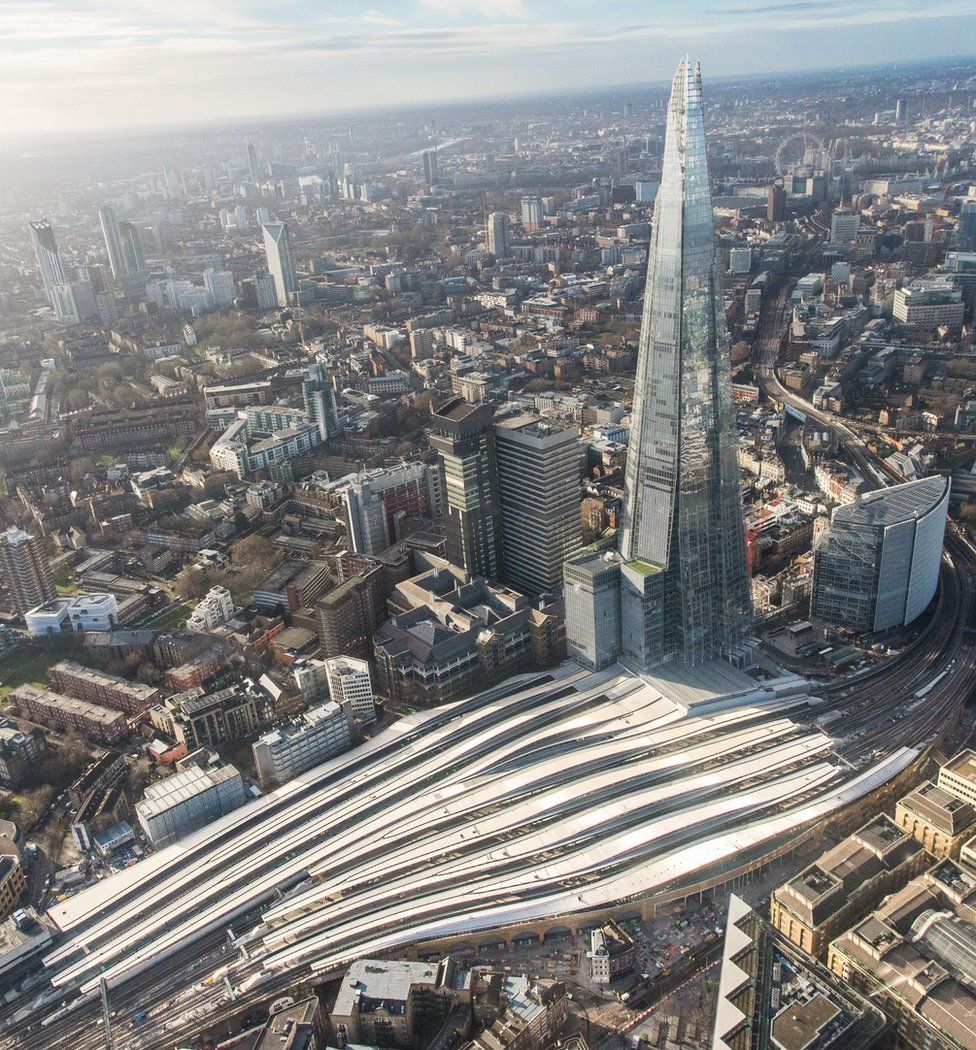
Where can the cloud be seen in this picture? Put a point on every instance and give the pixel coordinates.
(480, 8)
(67, 64)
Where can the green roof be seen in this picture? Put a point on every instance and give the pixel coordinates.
(645, 568)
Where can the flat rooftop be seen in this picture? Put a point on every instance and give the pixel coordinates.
(963, 766)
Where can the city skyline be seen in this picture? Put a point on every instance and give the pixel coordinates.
(215, 58)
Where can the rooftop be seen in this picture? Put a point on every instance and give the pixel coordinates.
(892, 505)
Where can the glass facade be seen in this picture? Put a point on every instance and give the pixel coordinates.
(683, 510)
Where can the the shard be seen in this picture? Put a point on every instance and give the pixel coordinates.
(685, 587)
(681, 578)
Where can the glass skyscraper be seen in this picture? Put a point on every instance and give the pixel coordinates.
(684, 585)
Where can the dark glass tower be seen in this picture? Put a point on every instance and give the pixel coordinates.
(684, 586)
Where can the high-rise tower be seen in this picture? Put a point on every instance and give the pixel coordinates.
(113, 242)
(48, 256)
(464, 439)
(497, 237)
(320, 400)
(281, 262)
(684, 586)
(25, 569)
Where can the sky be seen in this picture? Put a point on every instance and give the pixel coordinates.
(78, 66)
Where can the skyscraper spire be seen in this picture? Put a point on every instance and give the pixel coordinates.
(684, 586)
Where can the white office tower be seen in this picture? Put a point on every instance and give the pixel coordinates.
(877, 566)
(538, 464)
(297, 746)
(113, 242)
(281, 262)
(498, 235)
(349, 683)
(240, 217)
(220, 287)
(320, 400)
(48, 257)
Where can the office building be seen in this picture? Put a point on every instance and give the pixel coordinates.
(25, 570)
(291, 1026)
(464, 438)
(13, 883)
(48, 257)
(929, 302)
(281, 262)
(901, 111)
(684, 581)
(532, 213)
(318, 391)
(113, 242)
(612, 953)
(430, 166)
(186, 801)
(298, 745)
(877, 566)
(937, 819)
(844, 225)
(958, 777)
(498, 236)
(966, 227)
(538, 464)
(252, 162)
(812, 908)
(412, 993)
(591, 591)
(915, 956)
(132, 252)
(312, 679)
(776, 202)
(455, 636)
(349, 684)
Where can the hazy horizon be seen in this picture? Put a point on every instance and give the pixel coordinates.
(93, 67)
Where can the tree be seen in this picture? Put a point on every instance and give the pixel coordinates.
(252, 551)
(192, 584)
